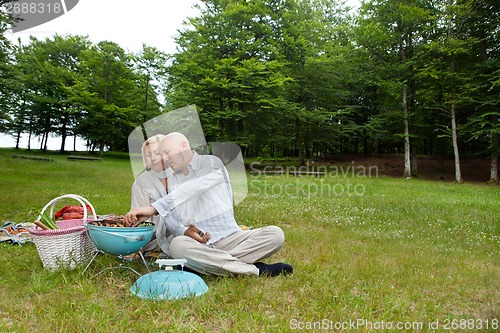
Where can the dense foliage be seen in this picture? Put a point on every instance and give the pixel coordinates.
(307, 78)
(67, 86)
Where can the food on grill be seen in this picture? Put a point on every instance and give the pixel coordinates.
(111, 221)
(116, 221)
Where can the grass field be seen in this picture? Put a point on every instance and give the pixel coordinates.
(370, 254)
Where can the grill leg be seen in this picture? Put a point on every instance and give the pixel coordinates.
(144, 261)
(119, 266)
(91, 260)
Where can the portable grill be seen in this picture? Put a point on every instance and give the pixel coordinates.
(163, 284)
(119, 241)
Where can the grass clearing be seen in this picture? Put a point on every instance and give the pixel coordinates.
(368, 250)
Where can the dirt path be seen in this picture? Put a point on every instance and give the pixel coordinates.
(473, 170)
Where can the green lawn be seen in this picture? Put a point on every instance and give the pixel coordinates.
(370, 253)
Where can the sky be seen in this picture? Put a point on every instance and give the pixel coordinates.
(129, 23)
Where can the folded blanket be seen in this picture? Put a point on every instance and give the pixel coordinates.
(16, 233)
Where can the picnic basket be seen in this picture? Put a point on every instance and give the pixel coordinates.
(68, 246)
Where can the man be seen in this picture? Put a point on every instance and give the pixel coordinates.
(201, 196)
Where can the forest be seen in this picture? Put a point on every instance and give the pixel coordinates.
(310, 79)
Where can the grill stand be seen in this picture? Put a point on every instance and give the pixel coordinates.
(120, 266)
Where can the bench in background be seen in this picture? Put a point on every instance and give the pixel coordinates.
(35, 158)
(307, 173)
(83, 158)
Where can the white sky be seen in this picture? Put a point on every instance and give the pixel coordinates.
(129, 23)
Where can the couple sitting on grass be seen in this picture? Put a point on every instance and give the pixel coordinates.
(194, 218)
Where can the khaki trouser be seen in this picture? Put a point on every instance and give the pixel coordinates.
(231, 255)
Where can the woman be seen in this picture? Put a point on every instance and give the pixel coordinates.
(152, 183)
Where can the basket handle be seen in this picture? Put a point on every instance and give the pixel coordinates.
(76, 197)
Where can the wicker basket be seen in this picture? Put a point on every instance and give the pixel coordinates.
(68, 246)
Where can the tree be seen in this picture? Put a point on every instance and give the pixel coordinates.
(67, 86)
(455, 47)
(151, 66)
(14, 101)
(252, 68)
(483, 124)
(49, 73)
(108, 96)
(313, 41)
(227, 65)
(449, 65)
(392, 30)
(7, 73)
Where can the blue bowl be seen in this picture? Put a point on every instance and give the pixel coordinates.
(120, 241)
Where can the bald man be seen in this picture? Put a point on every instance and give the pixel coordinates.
(200, 196)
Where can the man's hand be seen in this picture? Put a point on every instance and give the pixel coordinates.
(138, 215)
(197, 234)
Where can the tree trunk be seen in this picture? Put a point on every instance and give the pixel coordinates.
(298, 143)
(402, 60)
(29, 140)
(101, 148)
(414, 165)
(494, 160)
(43, 143)
(147, 98)
(453, 104)
(458, 173)
(64, 135)
(407, 172)
(18, 139)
